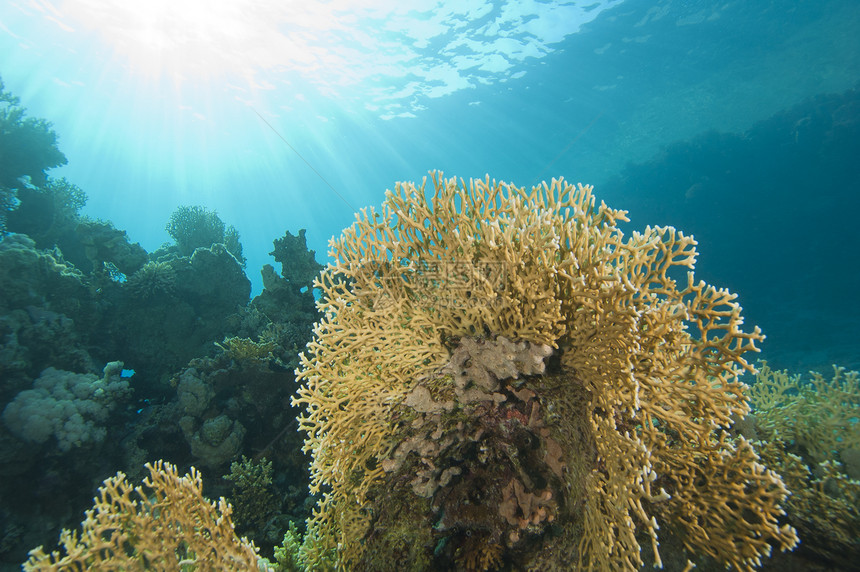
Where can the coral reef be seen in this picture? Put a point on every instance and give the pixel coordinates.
(287, 298)
(284, 312)
(152, 281)
(818, 417)
(287, 555)
(198, 227)
(221, 397)
(173, 309)
(167, 523)
(252, 496)
(45, 303)
(75, 294)
(500, 377)
(28, 146)
(38, 278)
(104, 245)
(240, 349)
(809, 430)
(8, 202)
(71, 407)
(299, 267)
(235, 405)
(48, 213)
(214, 441)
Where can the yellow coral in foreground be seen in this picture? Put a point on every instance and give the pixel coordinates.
(166, 524)
(430, 378)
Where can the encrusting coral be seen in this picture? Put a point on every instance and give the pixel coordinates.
(501, 377)
(166, 524)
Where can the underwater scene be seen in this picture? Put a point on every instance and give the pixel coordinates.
(429, 285)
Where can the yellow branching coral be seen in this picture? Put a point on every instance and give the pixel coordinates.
(430, 375)
(820, 415)
(240, 349)
(166, 524)
(810, 432)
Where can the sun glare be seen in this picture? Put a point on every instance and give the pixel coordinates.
(197, 39)
(386, 56)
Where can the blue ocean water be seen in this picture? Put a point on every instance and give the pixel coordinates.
(737, 122)
(286, 117)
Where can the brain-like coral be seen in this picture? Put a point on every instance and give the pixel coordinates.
(72, 407)
(496, 367)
